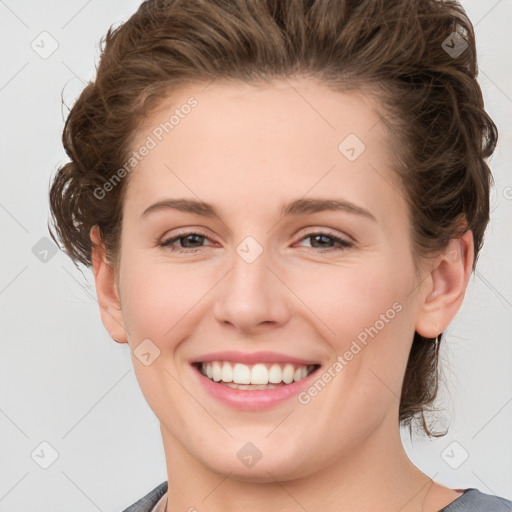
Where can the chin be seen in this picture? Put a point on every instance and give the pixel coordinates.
(283, 467)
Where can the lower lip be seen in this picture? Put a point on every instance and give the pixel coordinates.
(256, 400)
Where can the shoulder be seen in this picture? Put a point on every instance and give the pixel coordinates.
(475, 501)
(147, 502)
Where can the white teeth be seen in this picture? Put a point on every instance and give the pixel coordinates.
(216, 370)
(275, 375)
(300, 373)
(260, 374)
(288, 372)
(241, 374)
(227, 373)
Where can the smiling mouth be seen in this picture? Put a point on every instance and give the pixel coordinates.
(254, 376)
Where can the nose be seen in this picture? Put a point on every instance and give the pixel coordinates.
(252, 296)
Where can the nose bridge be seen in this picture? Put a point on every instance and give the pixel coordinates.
(251, 294)
(250, 272)
(250, 281)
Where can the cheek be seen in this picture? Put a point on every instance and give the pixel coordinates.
(349, 298)
(159, 300)
(365, 316)
(156, 300)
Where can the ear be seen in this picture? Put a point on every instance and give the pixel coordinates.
(106, 289)
(445, 287)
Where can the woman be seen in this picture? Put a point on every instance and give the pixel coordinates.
(282, 203)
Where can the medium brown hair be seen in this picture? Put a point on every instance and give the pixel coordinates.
(403, 51)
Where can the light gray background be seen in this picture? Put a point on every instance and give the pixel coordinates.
(65, 382)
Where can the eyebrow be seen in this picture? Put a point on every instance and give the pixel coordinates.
(298, 207)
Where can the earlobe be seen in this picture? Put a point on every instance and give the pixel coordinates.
(445, 287)
(106, 289)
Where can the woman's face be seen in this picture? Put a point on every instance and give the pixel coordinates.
(265, 276)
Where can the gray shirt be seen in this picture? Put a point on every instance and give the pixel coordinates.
(471, 501)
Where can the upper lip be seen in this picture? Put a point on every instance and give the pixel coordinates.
(251, 358)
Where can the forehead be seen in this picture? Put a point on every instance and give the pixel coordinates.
(309, 110)
(288, 136)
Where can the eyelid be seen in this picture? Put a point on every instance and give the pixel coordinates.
(311, 230)
(176, 233)
(182, 234)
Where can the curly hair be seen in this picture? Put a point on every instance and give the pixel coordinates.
(417, 57)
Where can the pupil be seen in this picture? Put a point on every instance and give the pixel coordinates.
(188, 237)
(315, 237)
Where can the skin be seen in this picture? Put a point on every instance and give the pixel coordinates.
(248, 149)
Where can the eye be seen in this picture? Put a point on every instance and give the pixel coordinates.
(190, 237)
(192, 242)
(322, 238)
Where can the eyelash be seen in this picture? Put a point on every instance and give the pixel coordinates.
(167, 243)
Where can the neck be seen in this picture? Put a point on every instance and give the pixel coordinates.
(375, 475)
